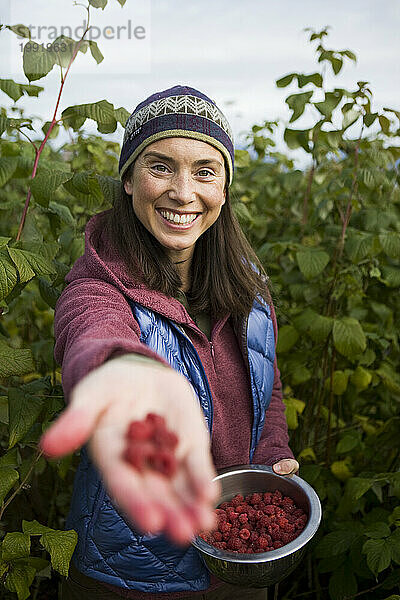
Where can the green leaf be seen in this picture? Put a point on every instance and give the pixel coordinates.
(24, 411)
(95, 52)
(110, 188)
(30, 264)
(315, 78)
(339, 382)
(335, 543)
(390, 243)
(390, 378)
(350, 118)
(8, 164)
(377, 530)
(285, 81)
(15, 361)
(16, 90)
(330, 102)
(54, 131)
(394, 543)
(297, 138)
(391, 276)
(312, 262)
(348, 337)
(8, 476)
(342, 583)
(361, 378)
(294, 407)
(355, 488)
(102, 112)
(19, 579)
(63, 49)
(60, 545)
(8, 275)
(20, 30)
(35, 528)
(85, 187)
(297, 103)
(346, 444)
(287, 338)
(15, 545)
(37, 61)
(3, 417)
(45, 184)
(98, 3)
(48, 292)
(359, 245)
(378, 555)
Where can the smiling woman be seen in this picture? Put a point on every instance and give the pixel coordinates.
(168, 311)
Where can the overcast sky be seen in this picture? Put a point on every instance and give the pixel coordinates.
(231, 50)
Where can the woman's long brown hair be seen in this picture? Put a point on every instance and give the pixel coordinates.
(222, 278)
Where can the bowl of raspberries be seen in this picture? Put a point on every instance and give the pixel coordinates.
(265, 522)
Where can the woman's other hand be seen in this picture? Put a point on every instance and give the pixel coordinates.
(101, 407)
(286, 466)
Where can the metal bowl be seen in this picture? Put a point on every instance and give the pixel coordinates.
(265, 568)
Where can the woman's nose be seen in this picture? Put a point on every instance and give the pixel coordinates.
(183, 188)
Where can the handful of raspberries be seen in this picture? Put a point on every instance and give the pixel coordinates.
(260, 522)
(150, 445)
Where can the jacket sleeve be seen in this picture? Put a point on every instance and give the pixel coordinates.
(93, 322)
(273, 444)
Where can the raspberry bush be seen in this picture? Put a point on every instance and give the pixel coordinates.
(329, 237)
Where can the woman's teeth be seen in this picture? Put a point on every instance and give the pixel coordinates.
(178, 219)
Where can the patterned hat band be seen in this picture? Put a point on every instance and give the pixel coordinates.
(180, 111)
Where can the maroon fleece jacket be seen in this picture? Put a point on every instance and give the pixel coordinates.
(94, 322)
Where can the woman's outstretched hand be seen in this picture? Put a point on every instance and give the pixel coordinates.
(101, 407)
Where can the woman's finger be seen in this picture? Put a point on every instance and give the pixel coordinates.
(71, 430)
(286, 466)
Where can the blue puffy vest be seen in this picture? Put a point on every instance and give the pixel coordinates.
(109, 549)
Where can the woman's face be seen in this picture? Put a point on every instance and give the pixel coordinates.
(177, 189)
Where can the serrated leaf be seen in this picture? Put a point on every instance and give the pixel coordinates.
(19, 579)
(359, 245)
(340, 470)
(15, 361)
(327, 106)
(287, 338)
(63, 212)
(312, 262)
(102, 112)
(45, 184)
(60, 545)
(110, 188)
(348, 337)
(377, 530)
(335, 543)
(378, 555)
(35, 528)
(37, 61)
(15, 90)
(390, 243)
(8, 164)
(15, 545)
(48, 292)
(8, 274)
(24, 410)
(8, 476)
(95, 52)
(63, 49)
(30, 262)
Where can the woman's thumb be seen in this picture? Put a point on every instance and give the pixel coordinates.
(71, 430)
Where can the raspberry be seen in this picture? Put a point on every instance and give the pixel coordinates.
(140, 430)
(261, 522)
(243, 519)
(244, 534)
(151, 445)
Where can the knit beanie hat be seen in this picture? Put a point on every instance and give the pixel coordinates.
(180, 111)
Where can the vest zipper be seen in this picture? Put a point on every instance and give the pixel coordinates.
(212, 350)
(182, 331)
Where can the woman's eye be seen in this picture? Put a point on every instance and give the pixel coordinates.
(206, 171)
(157, 167)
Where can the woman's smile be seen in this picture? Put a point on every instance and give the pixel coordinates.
(177, 220)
